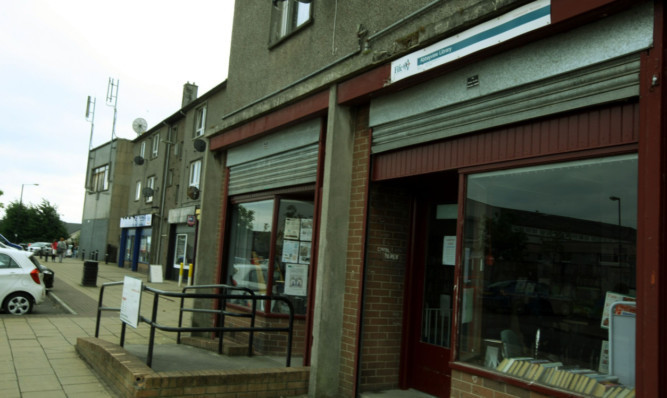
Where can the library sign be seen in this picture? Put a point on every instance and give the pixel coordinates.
(508, 26)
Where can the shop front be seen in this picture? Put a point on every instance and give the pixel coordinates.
(503, 218)
(182, 242)
(135, 242)
(271, 227)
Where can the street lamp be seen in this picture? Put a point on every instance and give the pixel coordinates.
(617, 199)
(23, 185)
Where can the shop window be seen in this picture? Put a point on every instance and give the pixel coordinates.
(145, 249)
(129, 245)
(287, 17)
(272, 259)
(545, 249)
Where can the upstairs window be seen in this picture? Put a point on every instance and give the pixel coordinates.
(195, 173)
(143, 150)
(100, 179)
(288, 16)
(156, 145)
(200, 121)
(137, 192)
(150, 189)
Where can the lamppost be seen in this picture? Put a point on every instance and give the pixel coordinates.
(617, 199)
(21, 199)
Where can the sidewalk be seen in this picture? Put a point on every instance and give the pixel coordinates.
(38, 350)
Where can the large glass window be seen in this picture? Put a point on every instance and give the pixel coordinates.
(545, 249)
(145, 248)
(272, 259)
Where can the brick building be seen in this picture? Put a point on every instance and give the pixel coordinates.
(438, 186)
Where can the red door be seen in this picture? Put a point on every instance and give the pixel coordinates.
(430, 297)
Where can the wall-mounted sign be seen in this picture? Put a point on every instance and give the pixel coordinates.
(515, 23)
(191, 220)
(143, 220)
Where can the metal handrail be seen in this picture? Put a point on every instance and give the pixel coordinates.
(221, 311)
(221, 328)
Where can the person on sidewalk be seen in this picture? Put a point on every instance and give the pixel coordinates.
(61, 247)
(54, 250)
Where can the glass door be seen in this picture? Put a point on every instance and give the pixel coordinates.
(430, 318)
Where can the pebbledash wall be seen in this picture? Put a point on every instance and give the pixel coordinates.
(587, 87)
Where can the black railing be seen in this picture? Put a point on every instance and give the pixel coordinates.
(221, 296)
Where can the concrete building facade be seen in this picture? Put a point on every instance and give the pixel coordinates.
(438, 186)
(104, 203)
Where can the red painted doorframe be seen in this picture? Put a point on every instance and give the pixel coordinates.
(651, 347)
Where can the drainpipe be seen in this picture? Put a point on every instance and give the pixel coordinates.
(164, 188)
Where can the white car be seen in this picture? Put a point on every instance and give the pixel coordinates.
(21, 282)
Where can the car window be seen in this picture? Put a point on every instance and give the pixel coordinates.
(7, 262)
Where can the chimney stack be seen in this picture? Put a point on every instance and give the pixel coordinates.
(189, 93)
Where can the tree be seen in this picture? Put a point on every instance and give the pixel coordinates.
(32, 224)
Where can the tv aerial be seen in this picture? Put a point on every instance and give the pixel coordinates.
(139, 125)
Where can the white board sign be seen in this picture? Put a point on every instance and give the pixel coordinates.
(131, 301)
(156, 273)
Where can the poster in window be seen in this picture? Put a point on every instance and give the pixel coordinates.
(292, 228)
(296, 279)
(611, 298)
(304, 253)
(307, 229)
(449, 250)
(290, 251)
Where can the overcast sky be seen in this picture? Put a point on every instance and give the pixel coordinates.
(56, 53)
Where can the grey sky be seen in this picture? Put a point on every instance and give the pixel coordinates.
(57, 53)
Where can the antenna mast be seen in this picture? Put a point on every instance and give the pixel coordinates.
(90, 117)
(112, 100)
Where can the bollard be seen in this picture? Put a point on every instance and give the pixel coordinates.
(190, 275)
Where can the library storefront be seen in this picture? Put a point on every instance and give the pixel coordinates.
(511, 261)
(519, 242)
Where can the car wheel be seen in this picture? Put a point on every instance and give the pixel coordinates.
(18, 304)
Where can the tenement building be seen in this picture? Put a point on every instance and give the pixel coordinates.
(461, 198)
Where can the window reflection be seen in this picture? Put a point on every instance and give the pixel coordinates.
(542, 248)
(251, 265)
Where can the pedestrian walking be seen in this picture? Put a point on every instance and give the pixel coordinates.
(54, 250)
(61, 248)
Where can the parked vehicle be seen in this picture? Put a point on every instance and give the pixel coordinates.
(49, 274)
(38, 247)
(21, 282)
(8, 243)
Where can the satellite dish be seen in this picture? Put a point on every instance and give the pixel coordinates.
(200, 145)
(138, 160)
(148, 192)
(193, 192)
(139, 125)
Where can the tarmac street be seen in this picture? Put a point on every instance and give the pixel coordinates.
(38, 350)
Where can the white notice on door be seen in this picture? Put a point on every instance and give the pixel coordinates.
(449, 250)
